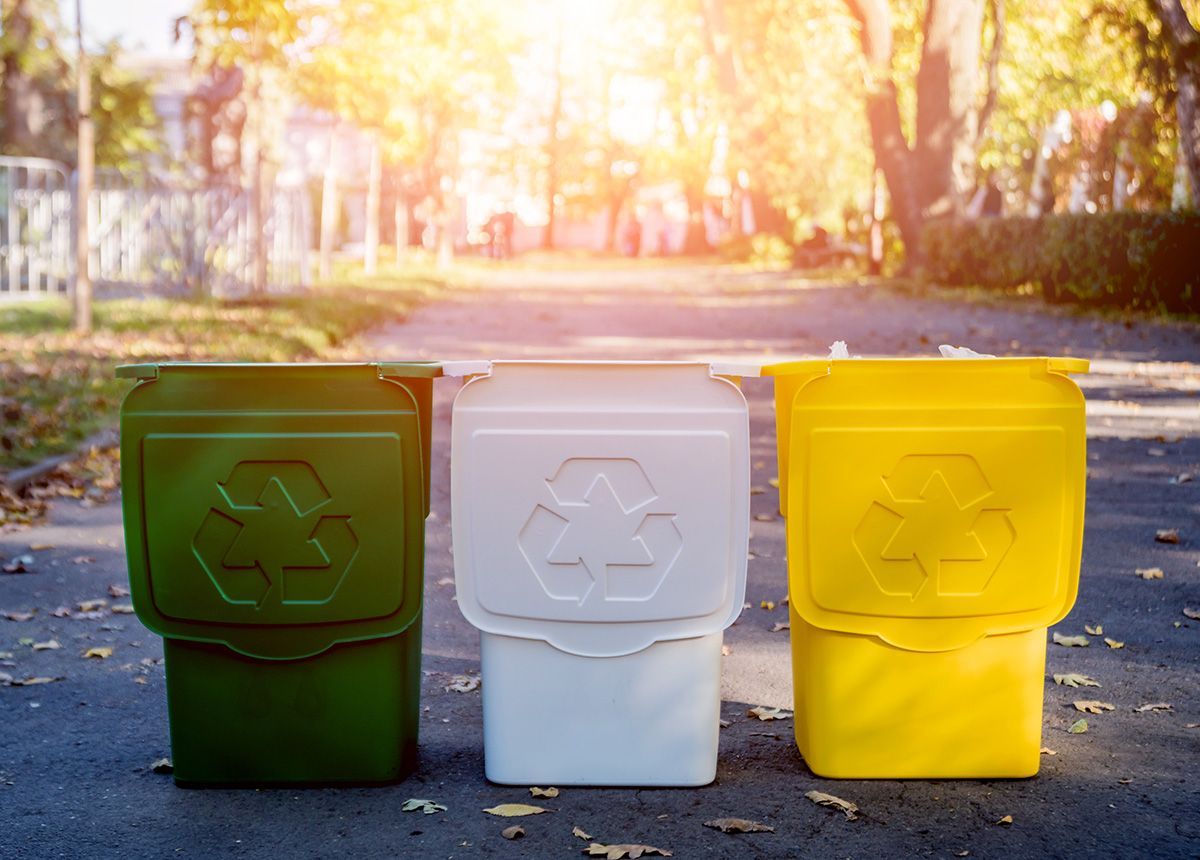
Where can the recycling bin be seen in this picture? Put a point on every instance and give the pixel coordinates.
(934, 528)
(600, 528)
(274, 522)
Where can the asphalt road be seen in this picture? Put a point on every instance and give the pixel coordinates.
(75, 756)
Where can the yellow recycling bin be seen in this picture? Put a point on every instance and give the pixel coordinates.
(934, 528)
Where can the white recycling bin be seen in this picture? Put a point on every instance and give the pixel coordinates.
(600, 520)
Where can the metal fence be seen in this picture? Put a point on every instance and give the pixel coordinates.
(144, 235)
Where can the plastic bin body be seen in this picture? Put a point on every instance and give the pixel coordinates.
(934, 529)
(274, 520)
(600, 534)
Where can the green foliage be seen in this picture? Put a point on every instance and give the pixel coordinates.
(1120, 259)
(761, 249)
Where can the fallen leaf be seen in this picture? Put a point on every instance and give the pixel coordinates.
(61, 612)
(757, 491)
(1048, 751)
(514, 810)
(768, 605)
(774, 482)
(162, 765)
(416, 804)
(1156, 452)
(48, 645)
(92, 605)
(1078, 727)
(1167, 535)
(1193, 614)
(820, 797)
(118, 591)
(724, 723)
(543, 792)
(1097, 630)
(1191, 725)
(122, 609)
(98, 653)
(780, 626)
(38, 547)
(1113, 643)
(514, 832)
(1183, 478)
(764, 713)
(462, 684)
(93, 615)
(19, 616)
(726, 650)
(1153, 706)
(9, 681)
(579, 831)
(738, 825)
(20, 564)
(764, 518)
(619, 852)
(1149, 572)
(1124, 781)
(1006, 820)
(445, 580)
(1071, 641)
(87, 559)
(1092, 706)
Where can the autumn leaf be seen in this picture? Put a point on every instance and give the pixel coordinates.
(579, 831)
(514, 810)
(738, 825)
(92, 605)
(98, 653)
(122, 609)
(765, 714)
(428, 807)
(1078, 727)
(764, 518)
(781, 626)
(726, 650)
(462, 684)
(1005, 821)
(20, 616)
(1183, 478)
(118, 591)
(84, 559)
(543, 792)
(1048, 751)
(1149, 572)
(48, 645)
(774, 482)
(823, 799)
(768, 605)
(1071, 641)
(1153, 706)
(10, 681)
(1193, 614)
(1113, 643)
(162, 765)
(514, 832)
(1092, 706)
(1167, 535)
(1096, 630)
(619, 852)
(724, 723)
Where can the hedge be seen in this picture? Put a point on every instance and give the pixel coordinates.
(1122, 259)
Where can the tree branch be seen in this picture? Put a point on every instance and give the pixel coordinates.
(999, 34)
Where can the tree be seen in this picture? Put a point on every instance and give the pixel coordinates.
(1183, 43)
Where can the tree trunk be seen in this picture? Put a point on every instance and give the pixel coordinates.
(83, 186)
(552, 142)
(374, 185)
(403, 216)
(947, 94)
(24, 106)
(329, 208)
(1183, 43)
(695, 239)
(883, 115)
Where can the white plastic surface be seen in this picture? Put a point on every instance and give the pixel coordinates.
(650, 718)
(600, 507)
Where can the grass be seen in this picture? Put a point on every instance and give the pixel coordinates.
(57, 388)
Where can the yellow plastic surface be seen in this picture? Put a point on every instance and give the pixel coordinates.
(934, 527)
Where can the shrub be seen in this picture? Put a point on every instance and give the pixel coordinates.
(1121, 259)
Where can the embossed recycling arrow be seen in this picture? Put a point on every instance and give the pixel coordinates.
(934, 526)
(270, 539)
(598, 530)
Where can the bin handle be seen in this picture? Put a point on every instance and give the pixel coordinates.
(467, 367)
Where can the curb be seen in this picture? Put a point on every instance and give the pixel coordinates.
(19, 479)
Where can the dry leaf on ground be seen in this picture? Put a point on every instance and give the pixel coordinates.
(98, 653)
(122, 609)
(581, 833)
(764, 713)
(620, 852)
(781, 626)
(1193, 614)
(820, 797)
(543, 792)
(1048, 751)
(48, 645)
(1071, 641)
(1096, 630)
(1156, 452)
(1006, 820)
(118, 591)
(1167, 535)
(92, 605)
(1153, 706)
(768, 605)
(1092, 706)
(1113, 643)
(514, 832)
(739, 825)
(1074, 679)
(162, 765)
(428, 807)
(10, 681)
(19, 616)
(774, 482)
(726, 650)
(724, 723)
(514, 810)
(1149, 572)
(462, 684)
(764, 518)
(1078, 727)
(1183, 478)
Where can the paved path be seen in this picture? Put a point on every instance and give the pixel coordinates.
(73, 768)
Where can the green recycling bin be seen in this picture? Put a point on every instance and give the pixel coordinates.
(274, 522)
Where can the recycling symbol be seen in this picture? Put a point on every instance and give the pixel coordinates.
(938, 523)
(600, 529)
(270, 538)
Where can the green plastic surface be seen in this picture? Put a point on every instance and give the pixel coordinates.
(274, 521)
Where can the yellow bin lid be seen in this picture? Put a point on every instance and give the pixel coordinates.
(931, 502)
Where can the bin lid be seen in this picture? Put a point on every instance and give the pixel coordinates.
(276, 508)
(600, 506)
(931, 502)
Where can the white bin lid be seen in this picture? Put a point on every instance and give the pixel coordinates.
(600, 506)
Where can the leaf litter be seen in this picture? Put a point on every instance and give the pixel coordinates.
(761, 712)
(739, 825)
(1074, 679)
(1071, 641)
(417, 804)
(515, 810)
(1093, 706)
(620, 852)
(850, 810)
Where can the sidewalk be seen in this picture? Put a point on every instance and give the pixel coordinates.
(75, 776)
